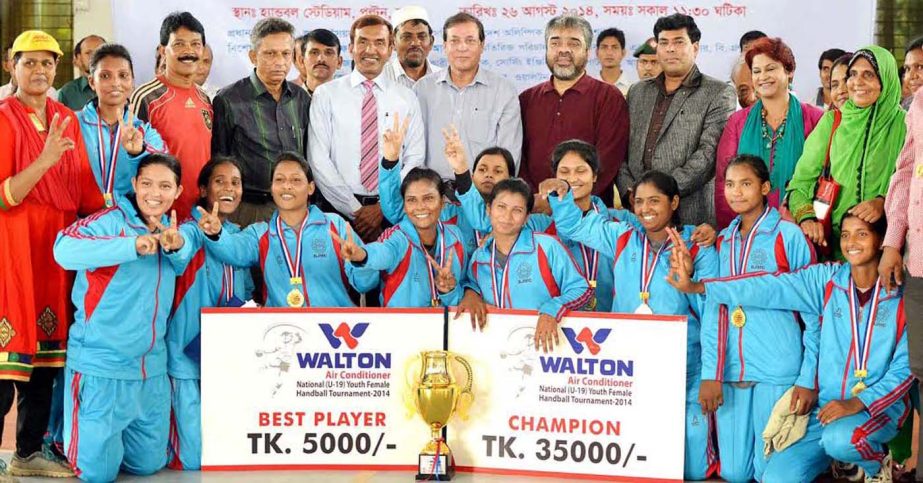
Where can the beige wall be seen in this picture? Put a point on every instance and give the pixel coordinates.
(92, 17)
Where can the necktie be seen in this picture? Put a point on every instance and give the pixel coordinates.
(368, 164)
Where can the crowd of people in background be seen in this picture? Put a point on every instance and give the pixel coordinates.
(128, 205)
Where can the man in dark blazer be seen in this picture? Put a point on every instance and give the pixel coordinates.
(677, 119)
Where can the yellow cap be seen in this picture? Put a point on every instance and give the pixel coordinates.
(35, 41)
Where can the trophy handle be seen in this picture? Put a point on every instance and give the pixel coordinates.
(468, 373)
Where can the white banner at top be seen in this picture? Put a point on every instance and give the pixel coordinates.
(515, 29)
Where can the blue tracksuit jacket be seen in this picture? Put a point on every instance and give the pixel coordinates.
(400, 259)
(123, 300)
(326, 276)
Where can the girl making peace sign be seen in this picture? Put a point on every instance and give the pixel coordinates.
(117, 403)
(421, 259)
(298, 239)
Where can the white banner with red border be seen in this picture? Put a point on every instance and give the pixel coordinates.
(327, 389)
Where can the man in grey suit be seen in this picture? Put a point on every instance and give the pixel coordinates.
(677, 119)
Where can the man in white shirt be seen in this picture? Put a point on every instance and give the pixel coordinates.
(349, 116)
(482, 105)
(413, 39)
(610, 50)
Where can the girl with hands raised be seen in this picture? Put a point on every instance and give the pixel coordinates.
(298, 239)
(45, 181)
(862, 367)
(211, 283)
(116, 141)
(127, 259)
(421, 259)
(752, 355)
(640, 255)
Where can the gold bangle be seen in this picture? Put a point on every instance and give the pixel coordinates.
(7, 195)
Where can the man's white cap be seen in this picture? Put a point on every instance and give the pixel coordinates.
(412, 12)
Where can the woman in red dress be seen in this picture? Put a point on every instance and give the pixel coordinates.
(45, 180)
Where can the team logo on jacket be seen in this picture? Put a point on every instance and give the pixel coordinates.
(207, 117)
(524, 273)
(319, 248)
(758, 259)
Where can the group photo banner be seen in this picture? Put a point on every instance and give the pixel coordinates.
(334, 389)
(515, 44)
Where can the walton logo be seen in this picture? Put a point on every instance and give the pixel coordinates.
(587, 338)
(343, 334)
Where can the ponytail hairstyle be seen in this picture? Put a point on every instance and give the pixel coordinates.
(162, 159)
(205, 175)
(665, 184)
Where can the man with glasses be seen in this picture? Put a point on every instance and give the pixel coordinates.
(482, 105)
(262, 115)
(572, 105)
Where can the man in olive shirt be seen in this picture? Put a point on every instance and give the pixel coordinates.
(76, 93)
(261, 115)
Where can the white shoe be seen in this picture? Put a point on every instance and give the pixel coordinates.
(5, 476)
(846, 471)
(884, 474)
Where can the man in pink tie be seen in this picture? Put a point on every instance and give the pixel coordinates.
(349, 116)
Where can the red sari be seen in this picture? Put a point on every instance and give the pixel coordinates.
(35, 308)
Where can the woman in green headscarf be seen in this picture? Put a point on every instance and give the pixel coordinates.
(864, 148)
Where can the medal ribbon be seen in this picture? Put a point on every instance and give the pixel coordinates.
(295, 270)
(227, 283)
(107, 172)
(440, 259)
(862, 349)
(739, 264)
(590, 258)
(648, 264)
(500, 289)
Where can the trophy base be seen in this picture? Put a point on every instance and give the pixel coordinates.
(429, 469)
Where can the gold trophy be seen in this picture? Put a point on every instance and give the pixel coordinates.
(436, 396)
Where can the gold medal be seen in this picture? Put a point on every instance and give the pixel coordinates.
(858, 388)
(645, 296)
(294, 298)
(591, 305)
(435, 302)
(738, 317)
(108, 198)
(593, 284)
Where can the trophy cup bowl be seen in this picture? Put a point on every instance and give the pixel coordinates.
(436, 394)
